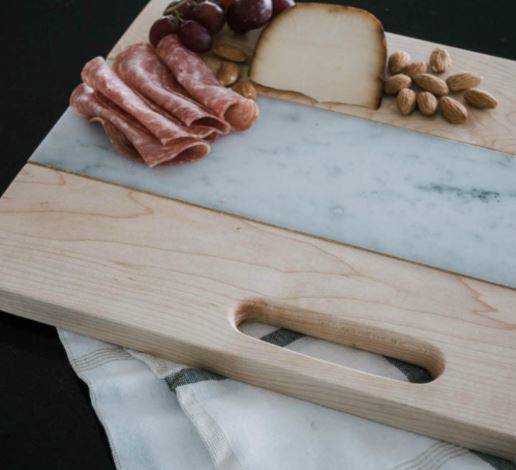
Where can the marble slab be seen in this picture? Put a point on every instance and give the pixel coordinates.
(383, 188)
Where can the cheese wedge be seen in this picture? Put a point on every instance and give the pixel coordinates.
(330, 53)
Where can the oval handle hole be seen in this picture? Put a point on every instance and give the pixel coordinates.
(345, 343)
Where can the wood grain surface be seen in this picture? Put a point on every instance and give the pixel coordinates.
(175, 280)
(493, 129)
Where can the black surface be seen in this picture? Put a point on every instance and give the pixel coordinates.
(46, 420)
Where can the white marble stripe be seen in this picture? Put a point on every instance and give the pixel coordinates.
(386, 189)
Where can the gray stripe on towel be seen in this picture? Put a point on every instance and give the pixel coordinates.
(495, 462)
(432, 458)
(99, 357)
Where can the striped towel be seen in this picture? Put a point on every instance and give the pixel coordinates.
(162, 415)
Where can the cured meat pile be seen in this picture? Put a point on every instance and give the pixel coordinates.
(160, 104)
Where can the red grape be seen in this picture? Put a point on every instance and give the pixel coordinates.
(245, 15)
(210, 15)
(181, 8)
(195, 36)
(163, 27)
(280, 5)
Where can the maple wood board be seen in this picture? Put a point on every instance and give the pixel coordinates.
(494, 129)
(176, 280)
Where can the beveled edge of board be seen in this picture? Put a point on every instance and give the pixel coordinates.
(491, 129)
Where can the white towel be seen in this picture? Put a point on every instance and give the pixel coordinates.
(161, 415)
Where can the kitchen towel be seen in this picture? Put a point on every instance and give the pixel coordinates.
(162, 415)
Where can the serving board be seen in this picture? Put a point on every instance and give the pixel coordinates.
(175, 280)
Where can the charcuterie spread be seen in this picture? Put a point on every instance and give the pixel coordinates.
(169, 95)
(162, 105)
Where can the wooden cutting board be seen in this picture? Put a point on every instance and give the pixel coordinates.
(176, 280)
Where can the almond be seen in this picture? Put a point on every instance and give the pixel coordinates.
(229, 52)
(480, 99)
(398, 61)
(406, 101)
(440, 60)
(463, 81)
(395, 83)
(228, 73)
(426, 103)
(246, 89)
(432, 84)
(416, 68)
(452, 110)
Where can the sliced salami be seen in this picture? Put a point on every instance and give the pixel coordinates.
(128, 136)
(197, 130)
(140, 67)
(99, 76)
(200, 82)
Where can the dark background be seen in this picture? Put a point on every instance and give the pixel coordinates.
(46, 420)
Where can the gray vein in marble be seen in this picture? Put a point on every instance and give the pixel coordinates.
(386, 189)
(475, 193)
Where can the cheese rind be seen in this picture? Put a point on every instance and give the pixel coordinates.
(330, 53)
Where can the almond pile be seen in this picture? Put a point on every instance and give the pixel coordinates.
(229, 71)
(432, 92)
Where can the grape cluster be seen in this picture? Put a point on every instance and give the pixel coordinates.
(197, 21)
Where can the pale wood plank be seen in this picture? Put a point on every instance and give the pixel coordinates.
(495, 129)
(175, 280)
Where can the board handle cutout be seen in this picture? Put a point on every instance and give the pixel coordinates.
(339, 330)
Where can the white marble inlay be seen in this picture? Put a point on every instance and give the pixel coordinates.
(375, 186)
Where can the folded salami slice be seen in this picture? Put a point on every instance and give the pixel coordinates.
(99, 76)
(128, 136)
(197, 130)
(200, 82)
(140, 67)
